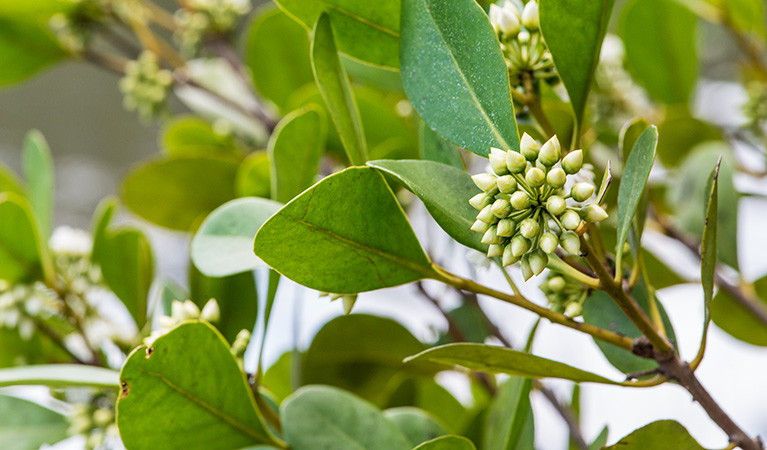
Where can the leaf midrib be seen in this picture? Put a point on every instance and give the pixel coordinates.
(359, 18)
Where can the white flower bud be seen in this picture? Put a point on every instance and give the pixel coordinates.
(556, 284)
(535, 177)
(349, 300)
(486, 215)
(491, 236)
(549, 242)
(480, 200)
(556, 205)
(523, 37)
(582, 191)
(480, 226)
(494, 250)
(501, 208)
(508, 257)
(570, 220)
(485, 181)
(528, 148)
(211, 312)
(507, 184)
(240, 343)
(550, 152)
(538, 261)
(573, 162)
(570, 242)
(520, 200)
(527, 272)
(519, 246)
(177, 311)
(515, 162)
(505, 227)
(529, 228)
(530, 17)
(556, 177)
(573, 310)
(497, 159)
(595, 214)
(166, 322)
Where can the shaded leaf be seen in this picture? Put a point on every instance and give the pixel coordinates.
(253, 177)
(38, 171)
(435, 148)
(417, 425)
(189, 136)
(630, 134)
(508, 415)
(660, 435)
(680, 134)
(27, 425)
(732, 317)
(26, 47)
(708, 252)
(236, 296)
(21, 258)
(447, 443)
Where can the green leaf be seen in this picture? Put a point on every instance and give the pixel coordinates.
(351, 225)
(192, 371)
(253, 177)
(455, 75)
(735, 319)
(633, 181)
(278, 55)
(294, 151)
(21, 257)
(59, 375)
(170, 291)
(417, 425)
(660, 435)
(222, 246)
(9, 182)
(278, 378)
(488, 358)
(336, 90)
(26, 47)
(236, 296)
(447, 443)
(630, 134)
(27, 425)
(744, 15)
(601, 440)
(708, 253)
(38, 171)
(189, 136)
(176, 193)
(317, 417)
(680, 134)
(39, 349)
(575, 53)
(359, 353)
(444, 190)
(366, 31)
(507, 415)
(435, 148)
(660, 275)
(661, 33)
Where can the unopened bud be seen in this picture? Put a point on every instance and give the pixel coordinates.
(485, 181)
(556, 177)
(507, 184)
(549, 242)
(191, 310)
(240, 343)
(595, 214)
(550, 152)
(494, 250)
(501, 208)
(527, 272)
(538, 261)
(570, 220)
(486, 215)
(497, 159)
(520, 200)
(515, 162)
(530, 16)
(529, 228)
(528, 147)
(519, 246)
(570, 242)
(349, 300)
(582, 191)
(177, 311)
(505, 227)
(556, 284)
(573, 162)
(556, 205)
(211, 312)
(535, 177)
(573, 310)
(491, 236)
(508, 257)
(480, 226)
(480, 200)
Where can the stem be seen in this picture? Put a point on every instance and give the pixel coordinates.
(535, 106)
(562, 267)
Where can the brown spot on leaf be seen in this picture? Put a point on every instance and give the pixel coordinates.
(149, 351)
(124, 388)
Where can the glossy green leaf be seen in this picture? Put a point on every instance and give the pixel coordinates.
(38, 171)
(575, 53)
(508, 415)
(222, 246)
(189, 377)
(633, 181)
(336, 90)
(294, 152)
(417, 425)
(189, 136)
(661, 33)
(59, 375)
(660, 435)
(26, 47)
(176, 193)
(435, 148)
(735, 319)
(317, 417)
(367, 31)
(359, 353)
(708, 252)
(236, 296)
(447, 443)
(680, 134)
(253, 177)
(27, 425)
(455, 75)
(488, 358)
(351, 225)
(278, 55)
(21, 257)
(444, 190)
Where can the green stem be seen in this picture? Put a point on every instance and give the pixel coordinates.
(557, 265)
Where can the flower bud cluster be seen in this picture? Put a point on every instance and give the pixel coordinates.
(145, 86)
(755, 108)
(522, 44)
(201, 18)
(348, 300)
(565, 294)
(182, 312)
(94, 419)
(524, 213)
(22, 305)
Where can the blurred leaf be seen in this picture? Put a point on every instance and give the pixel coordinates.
(488, 358)
(745, 15)
(660, 435)
(679, 135)
(660, 275)
(35, 9)
(21, 252)
(732, 317)
(336, 90)
(444, 190)
(294, 151)
(223, 245)
(128, 269)
(189, 136)
(633, 181)
(253, 177)
(176, 193)
(26, 47)
(38, 171)
(385, 78)
(360, 354)
(661, 33)
(438, 401)
(192, 370)
(455, 75)
(507, 416)
(351, 225)
(600, 440)
(417, 425)
(447, 443)
(708, 253)
(278, 377)
(59, 375)
(367, 31)
(278, 55)
(236, 296)
(575, 54)
(169, 292)
(435, 148)
(9, 182)
(630, 134)
(27, 425)
(39, 349)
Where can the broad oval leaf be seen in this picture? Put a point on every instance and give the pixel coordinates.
(575, 53)
(366, 31)
(27, 425)
(21, 258)
(349, 225)
(488, 358)
(188, 392)
(455, 75)
(236, 296)
(26, 47)
(223, 244)
(633, 181)
(445, 191)
(175, 193)
(59, 375)
(737, 320)
(294, 152)
(661, 33)
(189, 136)
(38, 171)
(254, 177)
(660, 435)
(327, 417)
(336, 90)
(417, 425)
(447, 443)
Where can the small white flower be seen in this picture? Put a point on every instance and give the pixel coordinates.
(71, 241)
